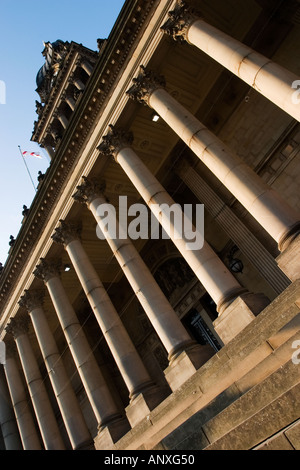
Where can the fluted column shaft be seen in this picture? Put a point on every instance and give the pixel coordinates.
(268, 78)
(39, 397)
(98, 393)
(127, 359)
(207, 266)
(280, 220)
(28, 433)
(169, 328)
(246, 241)
(7, 418)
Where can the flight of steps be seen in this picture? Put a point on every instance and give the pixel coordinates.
(261, 409)
(245, 397)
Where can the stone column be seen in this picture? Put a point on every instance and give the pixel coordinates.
(246, 241)
(103, 405)
(50, 151)
(68, 404)
(18, 327)
(218, 281)
(63, 120)
(87, 67)
(280, 220)
(167, 325)
(79, 84)
(8, 424)
(127, 359)
(71, 102)
(27, 429)
(207, 266)
(268, 78)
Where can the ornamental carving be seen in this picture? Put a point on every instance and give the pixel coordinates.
(65, 233)
(89, 190)
(47, 270)
(18, 326)
(32, 300)
(145, 84)
(114, 141)
(55, 54)
(179, 21)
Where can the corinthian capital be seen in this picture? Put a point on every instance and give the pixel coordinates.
(145, 84)
(65, 233)
(179, 21)
(114, 141)
(89, 190)
(47, 269)
(18, 326)
(32, 299)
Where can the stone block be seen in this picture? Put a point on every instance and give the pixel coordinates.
(278, 442)
(186, 364)
(141, 406)
(289, 260)
(270, 420)
(293, 435)
(108, 436)
(239, 314)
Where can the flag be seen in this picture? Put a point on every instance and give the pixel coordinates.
(31, 154)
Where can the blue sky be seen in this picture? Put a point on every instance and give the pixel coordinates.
(24, 25)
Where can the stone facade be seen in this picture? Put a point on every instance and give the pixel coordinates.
(122, 338)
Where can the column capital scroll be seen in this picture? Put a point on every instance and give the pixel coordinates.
(32, 299)
(88, 190)
(65, 233)
(179, 21)
(145, 84)
(47, 269)
(18, 326)
(114, 141)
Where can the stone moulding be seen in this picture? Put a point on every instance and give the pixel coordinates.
(68, 152)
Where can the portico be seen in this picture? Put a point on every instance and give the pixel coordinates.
(119, 342)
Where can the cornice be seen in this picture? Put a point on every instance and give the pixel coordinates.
(118, 50)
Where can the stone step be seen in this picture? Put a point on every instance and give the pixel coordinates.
(269, 420)
(249, 414)
(197, 432)
(287, 439)
(258, 351)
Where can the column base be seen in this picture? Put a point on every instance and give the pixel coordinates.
(143, 404)
(239, 314)
(186, 364)
(107, 436)
(289, 260)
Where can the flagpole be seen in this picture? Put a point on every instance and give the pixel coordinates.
(27, 168)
